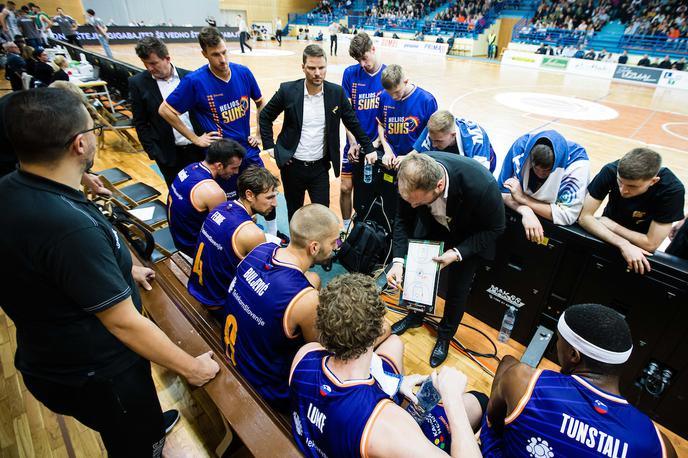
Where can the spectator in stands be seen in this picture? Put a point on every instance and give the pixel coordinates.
(43, 23)
(545, 175)
(68, 27)
(81, 284)
(594, 342)
(272, 303)
(228, 235)
(8, 19)
(27, 26)
(665, 63)
(15, 65)
(43, 71)
(623, 58)
(590, 55)
(655, 62)
(378, 33)
(28, 56)
(194, 192)
(644, 200)
(359, 415)
(602, 55)
(580, 53)
(171, 150)
(644, 61)
(679, 64)
(445, 132)
(418, 36)
(542, 49)
(100, 29)
(62, 65)
(402, 115)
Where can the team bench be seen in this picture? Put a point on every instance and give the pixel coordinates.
(263, 431)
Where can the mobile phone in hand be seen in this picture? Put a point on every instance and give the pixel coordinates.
(428, 398)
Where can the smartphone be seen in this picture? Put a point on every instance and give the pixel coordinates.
(428, 398)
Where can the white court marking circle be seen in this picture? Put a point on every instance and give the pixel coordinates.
(556, 106)
(666, 128)
(262, 53)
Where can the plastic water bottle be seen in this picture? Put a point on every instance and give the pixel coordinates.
(368, 173)
(507, 324)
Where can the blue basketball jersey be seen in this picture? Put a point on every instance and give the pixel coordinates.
(565, 416)
(404, 120)
(257, 340)
(364, 90)
(329, 417)
(219, 106)
(217, 257)
(184, 218)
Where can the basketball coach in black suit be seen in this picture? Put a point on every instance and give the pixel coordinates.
(147, 90)
(450, 198)
(309, 141)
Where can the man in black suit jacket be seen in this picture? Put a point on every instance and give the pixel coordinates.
(450, 198)
(168, 148)
(309, 141)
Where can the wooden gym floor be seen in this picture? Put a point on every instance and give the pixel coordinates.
(467, 87)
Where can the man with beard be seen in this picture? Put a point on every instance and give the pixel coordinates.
(69, 286)
(270, 311)
(229, 234)
(195, 192)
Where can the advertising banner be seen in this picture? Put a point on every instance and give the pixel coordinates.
(637, 74)
(555, 63)
(673, 79)
(421, 47)
(128, 35)
(591, 68)
(521, 59)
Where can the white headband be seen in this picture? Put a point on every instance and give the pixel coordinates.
(589, 349)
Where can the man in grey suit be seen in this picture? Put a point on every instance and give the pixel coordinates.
(309, 141)
(167, 147)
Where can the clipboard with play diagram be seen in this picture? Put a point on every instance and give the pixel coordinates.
(421, 277)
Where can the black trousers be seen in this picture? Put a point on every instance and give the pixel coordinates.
(333, 42)
(185, 155)
(124, 409)
(299, 177)
(73, 39)
(459, 279)
(243, 36)
(278, 36)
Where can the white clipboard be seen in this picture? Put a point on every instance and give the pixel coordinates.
(421, 277)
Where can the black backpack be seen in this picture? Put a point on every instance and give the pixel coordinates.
(368, 245)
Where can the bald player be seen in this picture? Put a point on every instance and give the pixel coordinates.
(194, 192)
(450, 134)
(340, 409)
(228, 234)
(270, 310)
(578, 411)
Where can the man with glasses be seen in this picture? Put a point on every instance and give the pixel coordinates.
(69, 286)
(645, 199)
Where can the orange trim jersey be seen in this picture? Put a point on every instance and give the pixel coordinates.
(183, 213)
(330, 417)
(261, 297)
(566, 416)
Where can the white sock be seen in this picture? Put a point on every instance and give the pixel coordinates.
(271, 227)
(346, 224)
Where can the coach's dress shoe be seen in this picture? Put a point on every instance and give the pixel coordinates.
(440, 352)
(411, 320)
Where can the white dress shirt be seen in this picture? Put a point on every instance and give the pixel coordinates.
(312, 141)
(242, 25)
(438, 209)
(166, 88)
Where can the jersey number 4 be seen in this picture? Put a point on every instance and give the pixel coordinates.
(198, 264)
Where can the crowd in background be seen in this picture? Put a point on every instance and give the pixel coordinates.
(402, 9)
